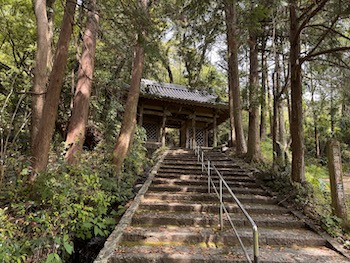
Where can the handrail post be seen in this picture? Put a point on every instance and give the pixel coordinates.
(221, 207)
(256, 244)
(209, 177)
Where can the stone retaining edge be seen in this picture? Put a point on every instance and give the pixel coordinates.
(115, 237)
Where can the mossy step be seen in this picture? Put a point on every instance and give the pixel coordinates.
(241, 178)
(195, 235)
(205, 197)
(202, 189)
(161, 218)
(211, 208)
(181, 167)
(203, 181)
(172, 253)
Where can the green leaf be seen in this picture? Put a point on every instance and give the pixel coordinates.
(87, 225)
(68, 247)
(97, 231)
(53, 257)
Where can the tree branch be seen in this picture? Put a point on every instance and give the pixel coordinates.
(311, 15)
(323, 52)
(323, 36)
(330, 29)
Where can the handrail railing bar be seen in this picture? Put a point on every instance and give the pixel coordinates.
(237, 235)
(234, 196)
(219, 194)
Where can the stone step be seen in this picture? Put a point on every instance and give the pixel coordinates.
(197, 166)
(211, 207)
(202, 189)
(203, 181)
(198, 219)
(190, 254)
(178, 170)
(160, 253)
(197, 235)
(205, 197)
(194, 162)
(241, 178)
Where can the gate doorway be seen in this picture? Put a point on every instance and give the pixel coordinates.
(172, 137)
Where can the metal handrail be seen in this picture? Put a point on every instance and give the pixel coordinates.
(208, 167)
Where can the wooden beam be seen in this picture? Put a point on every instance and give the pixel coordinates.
(157, 113)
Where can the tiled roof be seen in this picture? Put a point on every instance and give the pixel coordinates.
(150, 88)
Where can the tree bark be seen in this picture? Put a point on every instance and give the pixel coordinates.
(263, 108)
(80, 112)
(233, 75)
(47, 123)
(50, 18)
(296, 125)
(129, 119)
(253, 132)
(41, 67)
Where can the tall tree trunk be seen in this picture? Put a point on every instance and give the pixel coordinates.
(263, 108)
(50, 18)
(129, 119)
(253, 132)
(231, 103)
(80, 112)
(41, 67)
(233, 75)
(47, 123)
(296, 125)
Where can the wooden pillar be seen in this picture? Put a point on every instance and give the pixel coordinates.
(183, 134)
(336, 180)
(215, 132)
(194, 131)
(141, 115)
(206, 140)
(163, 130)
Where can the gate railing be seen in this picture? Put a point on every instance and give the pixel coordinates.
(208, 167)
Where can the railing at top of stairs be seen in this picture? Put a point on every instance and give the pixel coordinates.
(208, 166)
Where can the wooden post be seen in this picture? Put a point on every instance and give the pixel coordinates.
(206, 135)
(163, 130)
(215, 135)
(194, 131)
(141, 115)
(336, 180)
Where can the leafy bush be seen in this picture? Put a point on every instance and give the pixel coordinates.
(41, 222)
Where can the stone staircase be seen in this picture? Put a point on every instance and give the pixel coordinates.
(177, 220)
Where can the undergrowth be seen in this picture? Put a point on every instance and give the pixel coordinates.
(42, 222)
(311, 197)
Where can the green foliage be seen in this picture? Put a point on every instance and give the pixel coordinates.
(66, 203)
(266, 150)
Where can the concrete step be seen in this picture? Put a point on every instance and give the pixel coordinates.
(205, 197)
(179, 170)
(160, 253)
(241, 178)
(211, 207)
(196, 235)
(203, 181)
(212, 220)
(203, 189)
(198, 167)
